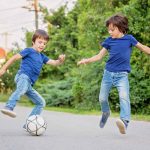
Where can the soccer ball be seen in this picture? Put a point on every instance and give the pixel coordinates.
(36, 125)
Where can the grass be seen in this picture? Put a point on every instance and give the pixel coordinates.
(25, 102)
(138, 117)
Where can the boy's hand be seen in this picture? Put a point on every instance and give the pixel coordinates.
(2, 71)
(83, 61)
(61, 58)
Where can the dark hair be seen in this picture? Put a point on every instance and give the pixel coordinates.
(40, 34)
(121, 22)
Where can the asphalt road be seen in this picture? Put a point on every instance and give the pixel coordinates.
(71, 132)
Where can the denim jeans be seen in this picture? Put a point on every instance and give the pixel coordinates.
(120, 81)
(24, 87)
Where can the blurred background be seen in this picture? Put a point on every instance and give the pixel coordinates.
(76, 28)
(18, 16)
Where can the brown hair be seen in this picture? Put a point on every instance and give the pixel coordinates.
(40, 34)
(121, 22)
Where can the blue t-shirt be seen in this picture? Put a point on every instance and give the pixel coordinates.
(32, 62)
(119, 50)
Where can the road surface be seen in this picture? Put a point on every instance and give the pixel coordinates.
(71, 132)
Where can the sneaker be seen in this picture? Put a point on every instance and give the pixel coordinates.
(122, 125)
(104, 118)
(24, 127)
(8, 111)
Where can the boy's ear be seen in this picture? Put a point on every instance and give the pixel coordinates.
(32, 43)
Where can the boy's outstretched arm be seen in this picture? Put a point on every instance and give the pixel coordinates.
(143, 48)
(97, 57)
(57, 62)
(9, 62)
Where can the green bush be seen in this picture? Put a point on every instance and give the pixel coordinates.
(57, 93)
(86, 86)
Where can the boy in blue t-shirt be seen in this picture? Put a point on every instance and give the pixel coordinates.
(30, 67)
(119, 46)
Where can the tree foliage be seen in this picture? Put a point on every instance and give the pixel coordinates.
(78, 34)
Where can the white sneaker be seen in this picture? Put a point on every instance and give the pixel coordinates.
(7, 111)
(121, 126)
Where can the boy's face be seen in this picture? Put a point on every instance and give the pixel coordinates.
(39, 44)
(114, 31)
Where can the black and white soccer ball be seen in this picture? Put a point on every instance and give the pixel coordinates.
(36, 125)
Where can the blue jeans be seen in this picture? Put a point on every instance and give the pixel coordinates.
(120, 81)
(24, 87)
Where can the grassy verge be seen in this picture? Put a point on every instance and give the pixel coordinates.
(25, 102)
(138, 117)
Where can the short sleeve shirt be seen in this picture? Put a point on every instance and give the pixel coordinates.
(32, 62)
(119, 50)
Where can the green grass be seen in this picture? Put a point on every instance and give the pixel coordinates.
(138, 117)
(25, 102)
